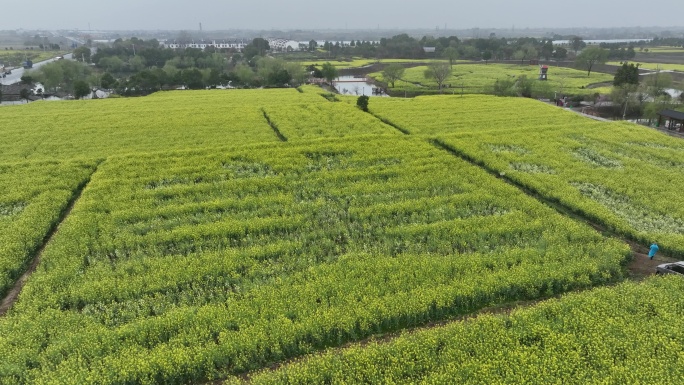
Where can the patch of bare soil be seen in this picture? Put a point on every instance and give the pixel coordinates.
(641, 266)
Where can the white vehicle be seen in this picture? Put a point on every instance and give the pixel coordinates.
(671, 268)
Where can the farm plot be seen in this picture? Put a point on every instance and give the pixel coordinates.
(320, 118)
(661, 50)
(656, 66)
(32, 198)
(173, 121)
(17, 57)
(480, 78)
(182, 267)
(432, 115)
(594, 337)
(358, 62)
(165, 121)
(624, 176)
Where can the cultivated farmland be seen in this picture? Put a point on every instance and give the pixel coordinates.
(480, 78)
(203, 235)
(592, 338)
(621, 175)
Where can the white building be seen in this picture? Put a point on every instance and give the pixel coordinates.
(283, 44)
(237, 45)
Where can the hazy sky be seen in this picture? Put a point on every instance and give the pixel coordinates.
(353, 14)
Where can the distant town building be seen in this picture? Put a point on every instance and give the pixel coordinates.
(283, 45)
(237, 45)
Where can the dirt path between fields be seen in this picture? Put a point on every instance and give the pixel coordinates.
(13, 294)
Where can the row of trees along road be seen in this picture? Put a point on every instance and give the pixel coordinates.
(452, 48)
(406, 47)
(138, 67)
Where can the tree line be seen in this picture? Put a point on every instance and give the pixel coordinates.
(137, 67)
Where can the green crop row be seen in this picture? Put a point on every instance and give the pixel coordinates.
(629, 334)
(32, 198)
(324, 119)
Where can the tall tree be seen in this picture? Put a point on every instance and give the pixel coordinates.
(486, 56)
(626, 74)
(591, 56)
(107, 81)
(329, 72)
(257, 47)
(576, 43)
(657, 83)
(244, 74)
(530, 51)
(451, 54)
(82, 54)
(439, 71)
(560, 53)
(297, 73)
(24, 93)
(81, 89)
(392, 73)
(623, 98)
(547, 49)
(50, 75)
(136, 63)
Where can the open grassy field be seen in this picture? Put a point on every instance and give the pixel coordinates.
(16, 57)
(655, 66)
(480, 78)
(196, 236)
(662, 50)
(358, 62)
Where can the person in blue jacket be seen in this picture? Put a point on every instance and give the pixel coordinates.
(653, 251)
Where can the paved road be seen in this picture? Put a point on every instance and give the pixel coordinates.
(16, 75)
